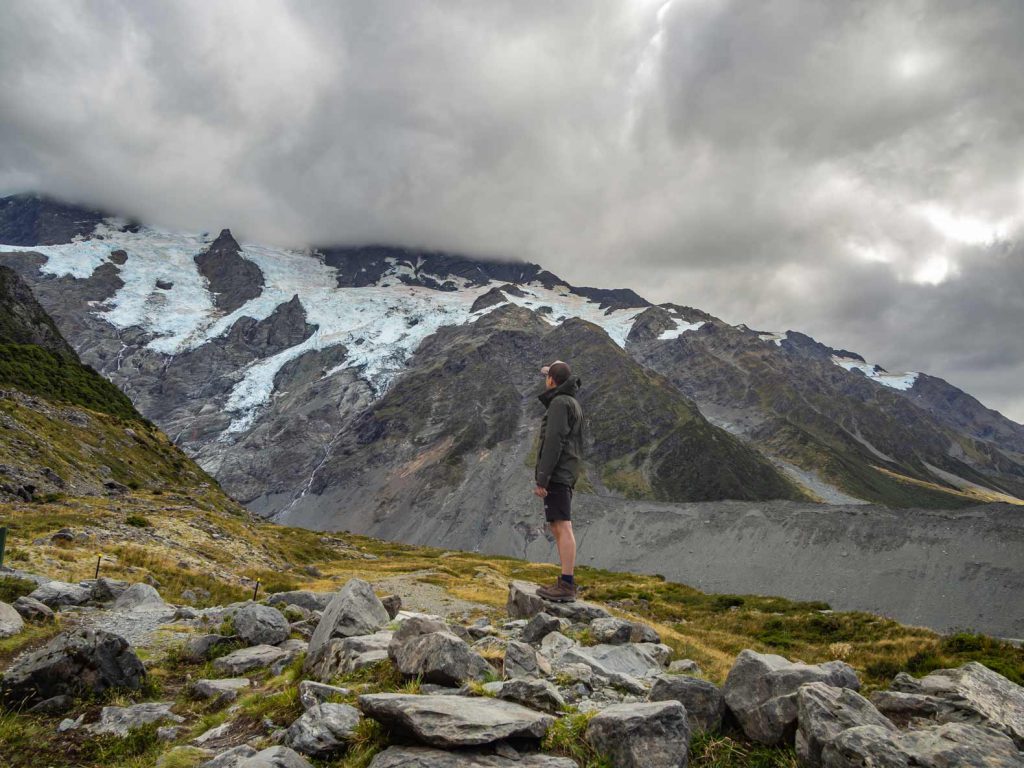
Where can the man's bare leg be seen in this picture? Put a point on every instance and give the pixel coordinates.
(565, 541)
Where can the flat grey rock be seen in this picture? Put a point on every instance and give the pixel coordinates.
(455, 721)
(323, 729)
(230, 758)
(524, 603)
(539, 626)
(245, 659)
(276, 757)
(427, 757)
(949, 745)
(521, 660)
(55, 594)
(649, 735)
(636, 660)
(760, 690)
(540, 695)
(120, 720)
(974, 693)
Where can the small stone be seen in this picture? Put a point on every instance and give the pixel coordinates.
(322, 729)
(221, 690)
(245, 659)
(535, 694)
(11, 622)
(31, 609)
(538, 627)
(312, 693)
(119, 720)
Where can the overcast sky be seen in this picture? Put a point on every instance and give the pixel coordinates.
(851, 170)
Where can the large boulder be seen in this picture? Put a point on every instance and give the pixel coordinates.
(760, 691)
(704, 703)
(79, 662)
(275, 757)
(201, 647)
(140, 597)
(311, 601)
(939, 746)
(103, 590)
(354, 610)
(649, 735)
(261, 625)
(455, 721)
(427, 757)
(11, 622)
(54, 594)
(347, 654)
(971, 693)
(322, 729)
(524, 603)
(824, 712)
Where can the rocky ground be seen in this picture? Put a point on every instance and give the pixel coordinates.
(353, 678)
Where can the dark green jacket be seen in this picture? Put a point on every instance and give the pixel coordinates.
(560, 456)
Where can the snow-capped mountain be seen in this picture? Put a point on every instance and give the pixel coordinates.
(371, 388)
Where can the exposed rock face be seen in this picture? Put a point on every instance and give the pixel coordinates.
(525, 603)
(233, 280)
(75, 663)
(704, 703)
(322, 729)
(635, 659)
(455, 721)
(950, 744)
(11, 622)
(652, 735)
(261, 625)
(354, 610)
(425, 757)
(38, 220)
(972, 693)
(824, 712)
(761, 691)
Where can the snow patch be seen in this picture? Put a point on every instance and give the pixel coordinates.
(874, 372)
(681, 328)
(776, 337)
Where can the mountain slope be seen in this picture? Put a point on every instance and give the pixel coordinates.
(292, 375)
(67, 431)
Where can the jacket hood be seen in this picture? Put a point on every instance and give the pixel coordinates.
(570, 387)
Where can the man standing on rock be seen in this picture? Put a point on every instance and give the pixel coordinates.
(558, 467)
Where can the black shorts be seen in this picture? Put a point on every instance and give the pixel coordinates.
(558, 502)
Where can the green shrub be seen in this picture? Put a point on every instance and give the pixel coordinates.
(138, 521)
(11, 588)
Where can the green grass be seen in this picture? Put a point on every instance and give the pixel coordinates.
(11, 588)
(41, 372)
(565, 737)
(138, 521)
(713, 750)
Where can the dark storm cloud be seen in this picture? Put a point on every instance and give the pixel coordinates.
(851, 170)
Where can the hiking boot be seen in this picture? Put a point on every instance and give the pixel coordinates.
(561, 592)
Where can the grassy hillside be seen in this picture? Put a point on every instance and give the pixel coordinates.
(187, 542)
